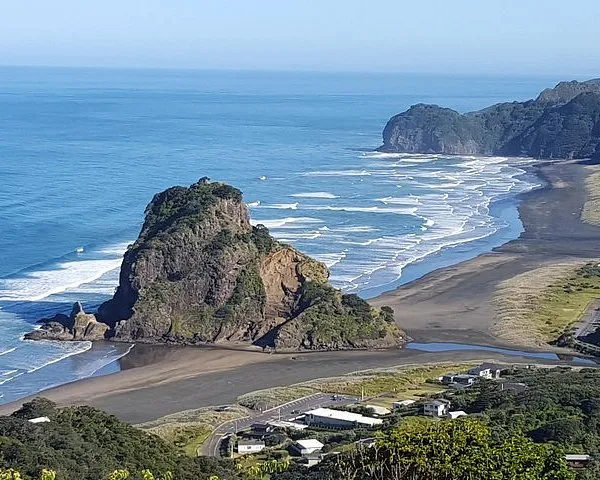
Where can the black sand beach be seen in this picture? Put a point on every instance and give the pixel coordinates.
(452, 304)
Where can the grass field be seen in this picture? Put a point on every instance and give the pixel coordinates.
(189, 429)
(388, 385)
(536, 307)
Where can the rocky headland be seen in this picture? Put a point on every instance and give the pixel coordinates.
(200, 273)
(562, 122)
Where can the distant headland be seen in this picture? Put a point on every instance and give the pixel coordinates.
(561, 123)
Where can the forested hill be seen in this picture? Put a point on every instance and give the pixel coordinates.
(562, 122)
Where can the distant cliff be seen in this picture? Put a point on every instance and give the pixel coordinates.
(201, 273)
(562, 122)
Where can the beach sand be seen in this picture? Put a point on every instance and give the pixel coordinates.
(453, 304)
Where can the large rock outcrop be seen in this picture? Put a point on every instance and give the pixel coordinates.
(201, 273)
(78, 326)
(562, 122)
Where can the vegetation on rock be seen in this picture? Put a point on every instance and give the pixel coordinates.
(563, 122)
(199, 272)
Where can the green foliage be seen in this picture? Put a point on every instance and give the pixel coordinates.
(330, 318)
(82, 443)
(264, 242)
(180, 205)
(559, 406)
(456, 450)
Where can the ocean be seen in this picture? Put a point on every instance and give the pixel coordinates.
(82, 151)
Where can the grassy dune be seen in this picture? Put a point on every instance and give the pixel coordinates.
(591, 208)
(189, 429)
(536, 307)
(389, 384)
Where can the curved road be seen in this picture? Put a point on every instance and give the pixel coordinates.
(211, 446)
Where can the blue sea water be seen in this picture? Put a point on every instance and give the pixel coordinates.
(82, 151)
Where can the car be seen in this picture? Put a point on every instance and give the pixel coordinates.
(334, 397)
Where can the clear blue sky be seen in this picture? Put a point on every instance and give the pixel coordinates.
(458, 36)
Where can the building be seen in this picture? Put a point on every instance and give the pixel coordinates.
(402, 404)
(250, 446)
(379, 411)
(307, 446)
(366, 442)
(327, 417)
(488, 371)
(39, 420)
(465, 380)
(312, 460)
(578, 461)
(286, 424)
(456, 414)
(436, 408)
(259, 430)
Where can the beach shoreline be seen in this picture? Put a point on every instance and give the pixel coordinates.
(451, 304)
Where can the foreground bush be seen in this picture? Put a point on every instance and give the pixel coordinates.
(82, 443)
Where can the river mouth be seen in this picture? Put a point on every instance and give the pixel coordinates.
(447, 347)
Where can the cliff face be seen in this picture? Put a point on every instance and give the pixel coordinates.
(200, 272)
(563, 122)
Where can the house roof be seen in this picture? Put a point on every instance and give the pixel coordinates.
(251, 442)
(573, 457)
(345, 416)
(456, 414)
(377, 410)
(39, 420)
(404, 402)
(436, 403)
(309, 443)
(486, 366)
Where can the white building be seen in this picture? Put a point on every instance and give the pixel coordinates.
(436, 408)
(456, 414)
(39, 420)
(377, 410)
(488, 371)
(402, 404)
(308, 446)
(250, 446)
(339, 419)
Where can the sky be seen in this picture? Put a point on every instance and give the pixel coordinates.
(450, 36)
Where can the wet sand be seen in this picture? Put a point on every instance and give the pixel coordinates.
(452, 304)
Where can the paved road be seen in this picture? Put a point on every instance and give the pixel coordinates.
(590, 320)
(284, 412)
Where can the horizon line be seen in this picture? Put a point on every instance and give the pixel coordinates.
(300, 70)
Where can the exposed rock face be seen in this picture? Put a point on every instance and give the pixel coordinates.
(200, 272)
(563, 122)
(78, 326)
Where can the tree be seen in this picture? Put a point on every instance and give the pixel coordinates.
(453, 450)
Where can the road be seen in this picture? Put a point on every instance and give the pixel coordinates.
(211, 446)
(590, 320)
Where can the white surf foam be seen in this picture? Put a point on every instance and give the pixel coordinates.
(314, 195)
(61, 350)
(66, 275)
(284, 222)
(398, 211)
(281, 206)
(338, 173)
